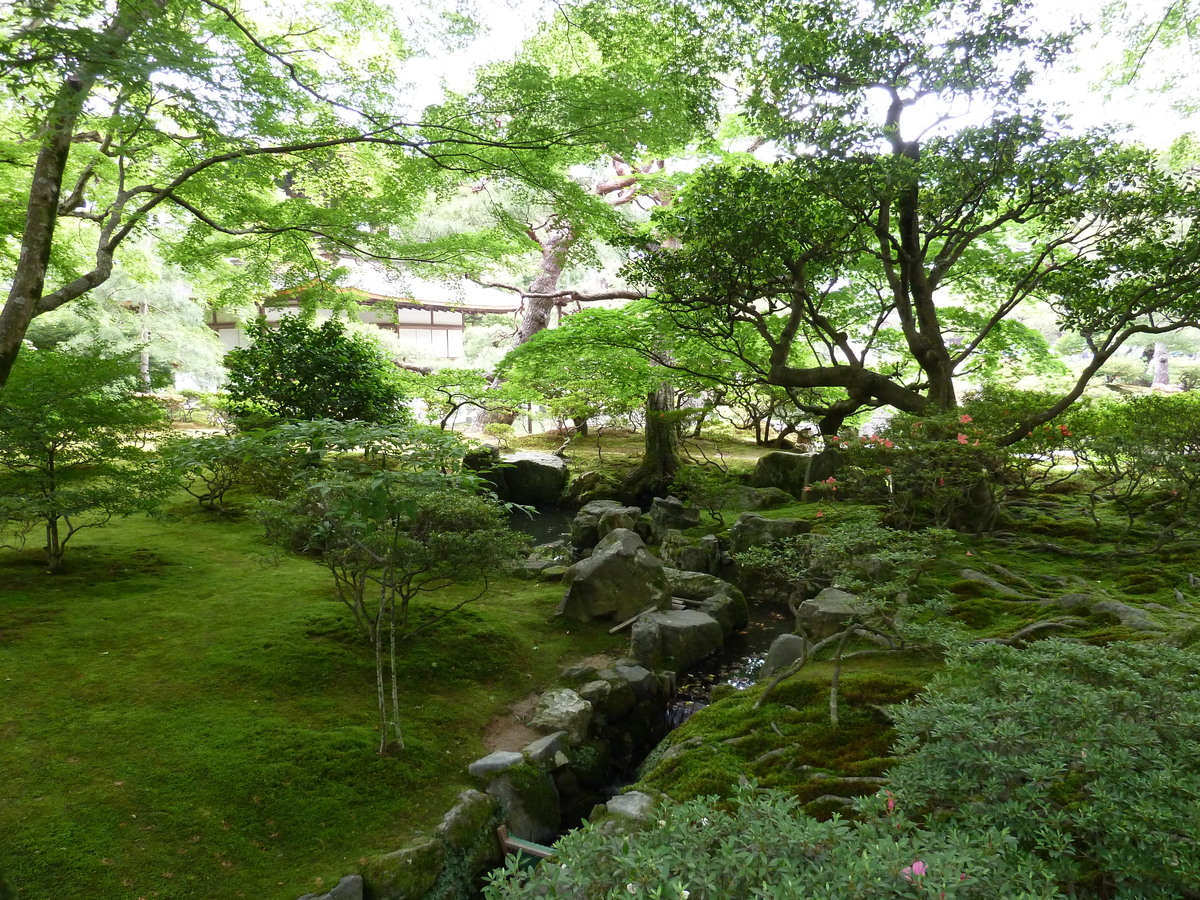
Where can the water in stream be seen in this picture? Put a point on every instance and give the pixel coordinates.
(542, 525)
(738, 665)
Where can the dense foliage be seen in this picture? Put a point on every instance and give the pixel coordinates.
(294, 371)
(760, 846)
(75, 447)
(1085, 755)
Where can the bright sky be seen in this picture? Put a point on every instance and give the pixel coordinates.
(1148, 114)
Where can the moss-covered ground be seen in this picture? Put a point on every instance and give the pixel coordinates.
(1050, 548)
(179, 719)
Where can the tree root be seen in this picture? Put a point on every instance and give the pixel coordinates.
(1022, 637)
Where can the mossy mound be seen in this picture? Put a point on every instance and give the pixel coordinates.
(789, 743)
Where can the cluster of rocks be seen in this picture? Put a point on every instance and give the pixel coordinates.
(543, 479)
(596, 720)
(592, 720)
(594, 723)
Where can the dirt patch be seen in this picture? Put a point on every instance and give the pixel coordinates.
(509, 732)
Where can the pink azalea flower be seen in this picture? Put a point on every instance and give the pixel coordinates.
(962, 438)
(888, 444)
(820, 512)
(964, 418)
(916, 870)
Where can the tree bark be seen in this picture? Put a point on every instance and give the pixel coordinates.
(554, 245)
(41, 211)
(660, 462)
(1161, 365)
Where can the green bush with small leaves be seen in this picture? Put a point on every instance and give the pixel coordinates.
(760, 845)
(1086, 755)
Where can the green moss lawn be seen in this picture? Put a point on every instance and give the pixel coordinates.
(179, 719)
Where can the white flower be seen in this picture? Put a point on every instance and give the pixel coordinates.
(631, 887)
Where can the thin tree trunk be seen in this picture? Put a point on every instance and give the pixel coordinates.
(837, 676)
(54, 552)
(395, 681)
(144, 313)
(381, 694)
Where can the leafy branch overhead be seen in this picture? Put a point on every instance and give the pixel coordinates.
(896, 256)
(191, 119)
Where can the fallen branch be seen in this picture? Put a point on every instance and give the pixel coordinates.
(631, 620)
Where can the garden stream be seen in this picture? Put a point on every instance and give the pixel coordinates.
(737, 665)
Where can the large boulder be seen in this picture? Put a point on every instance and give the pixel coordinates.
(792, 472)
(827, 613)
(760, 497)
(621, 578)
(716, 597)
(671, 512)
(626, 517)
(751, 529)
(561, 709)
(700, 555)
(586, 526)
(407, 874)
(532, 479)
(468, 830)
(784, 650)
(530, 803)
(680, 638)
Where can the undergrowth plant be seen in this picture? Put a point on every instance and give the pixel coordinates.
(1143, 458)
(881, 566)
(1086, 755)
(760, 845)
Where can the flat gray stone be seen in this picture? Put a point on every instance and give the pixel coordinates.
(634, 805)
(489, 765)
(544, 750)
(682, 636)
